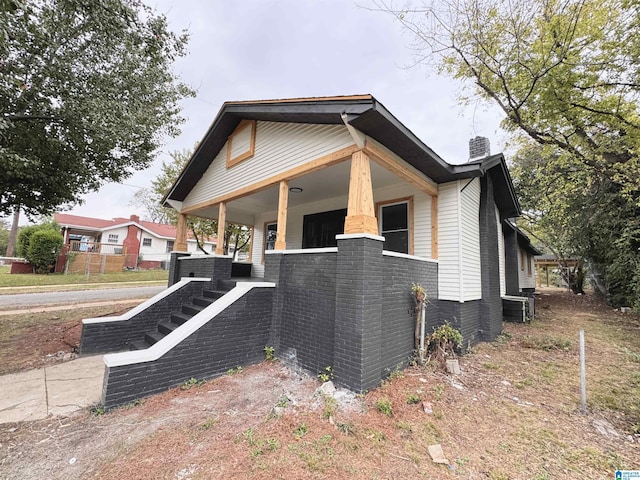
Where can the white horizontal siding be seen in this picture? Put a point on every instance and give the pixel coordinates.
(279, 147)
(449, 271)
(421, 214)
(524, 279)
(470, 240)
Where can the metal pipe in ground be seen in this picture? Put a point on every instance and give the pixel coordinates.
(583, 376)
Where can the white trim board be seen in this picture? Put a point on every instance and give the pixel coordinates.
(147, 303)
(181, 333)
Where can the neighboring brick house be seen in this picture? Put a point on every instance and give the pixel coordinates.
(146, 244)
(348, 209)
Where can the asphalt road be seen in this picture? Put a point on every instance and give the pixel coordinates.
(26, 300)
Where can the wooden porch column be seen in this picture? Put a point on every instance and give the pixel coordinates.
(222, 213)
(283, 203)
(361, 217)
(180, 244)
(434, 227)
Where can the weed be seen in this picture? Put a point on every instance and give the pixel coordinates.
(209, 423)
(396, 373)
(248, 435)
(406, 426)
(189, 384)
(494, 475)
(269, 353)
(326, 374)
(136, 403)
(233, 371)
(301, 431)
(527, 382)
(490, 366)
(272, 444)
(330, 405)
(438, 415)
(97, 410)
(375, 435)
(439, 391)
(346, 428)
(633, 356)
(384, 406)
(283, 401)
(546, 343)
(412, 399)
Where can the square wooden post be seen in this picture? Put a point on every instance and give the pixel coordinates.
(222, 213)
(361, 216)
(283, 203)
(180, 244)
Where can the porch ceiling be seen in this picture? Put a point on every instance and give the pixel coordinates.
(330, 182)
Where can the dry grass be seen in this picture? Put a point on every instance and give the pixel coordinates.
(512, 414)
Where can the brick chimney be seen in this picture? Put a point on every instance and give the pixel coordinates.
(134, 218)
(479, 148)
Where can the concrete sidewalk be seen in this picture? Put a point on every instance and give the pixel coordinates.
(56, 390)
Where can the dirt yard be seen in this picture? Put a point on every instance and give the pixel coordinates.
(514, 413)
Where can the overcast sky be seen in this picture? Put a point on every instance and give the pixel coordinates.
(261, 49)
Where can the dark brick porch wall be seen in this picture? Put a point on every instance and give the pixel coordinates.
(304, 307)
(398, 307)
(491, 304)
(511, 266)
(358, 332)
(214, 267)
(464, 317)
(117, 336)
(237, 336)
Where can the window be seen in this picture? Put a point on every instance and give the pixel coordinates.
(529, 272)
(270, 235)
(522, 257)
(169, 246)
(320, 229)
(112, 238)
(394, 226)
(241, 144)
(146, 242)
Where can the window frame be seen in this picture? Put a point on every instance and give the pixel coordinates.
(144, 240)
(264, 237)
(113, 238)
(252, 124)
(410, 226)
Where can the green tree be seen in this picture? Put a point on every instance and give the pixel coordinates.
(236, 236)
(4, 237)
(87, 93)
(576, 214)
(566, 73)
(44, 247)
(25, 234)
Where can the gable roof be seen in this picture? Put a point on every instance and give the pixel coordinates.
(364, 113)
(523, 240)
(161, 230)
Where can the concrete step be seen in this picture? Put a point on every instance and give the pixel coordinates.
(180, 318)
(226, 285)
(191, 309)
(166, 327)
(153, 337)
(202, 301)
(138, 345)
(214, 294)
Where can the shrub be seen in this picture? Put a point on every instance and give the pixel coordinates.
(25, 233)
(44, 247)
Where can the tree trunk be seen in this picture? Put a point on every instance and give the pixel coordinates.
(13, 234)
